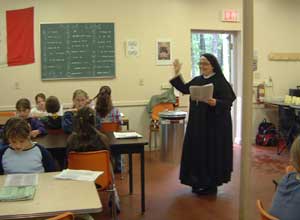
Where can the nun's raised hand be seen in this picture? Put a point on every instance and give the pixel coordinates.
(177, 66)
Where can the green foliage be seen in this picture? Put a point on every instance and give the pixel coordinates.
(205, 43)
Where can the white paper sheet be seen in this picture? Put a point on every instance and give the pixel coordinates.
(202, 93)
(21, 180)
(127, 135)
(84, 175)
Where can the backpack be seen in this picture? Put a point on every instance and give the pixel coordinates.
(267, 134)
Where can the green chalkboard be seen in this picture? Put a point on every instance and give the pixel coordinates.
(77, 50)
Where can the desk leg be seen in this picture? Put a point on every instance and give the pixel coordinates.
(143, 180)
(130, 173)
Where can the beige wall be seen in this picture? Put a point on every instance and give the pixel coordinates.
(142, 20)
(276, 29)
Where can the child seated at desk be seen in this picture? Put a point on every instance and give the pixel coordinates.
(285, 204)
(80, 100)
(23, 111)
(22, 155)
(54, 117)
(108, 114)
(85, 136)
(40, 106)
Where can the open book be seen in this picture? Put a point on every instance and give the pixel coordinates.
(202, 93)
(16, 193)
(84, 175)
(18, 187)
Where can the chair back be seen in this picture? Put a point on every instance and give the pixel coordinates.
(8, 114)
(110, 126)
(63, 216)
(159, 108)
(95, 161)
(289, 169)
(264, 215)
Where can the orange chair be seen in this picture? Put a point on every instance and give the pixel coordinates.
(264, 215)
(96, 161)
(110, 126)
(154, 125)
(63, 216)
(7, 114)
(289, 169)
(4, 116)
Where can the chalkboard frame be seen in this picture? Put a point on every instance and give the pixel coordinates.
(112, 74)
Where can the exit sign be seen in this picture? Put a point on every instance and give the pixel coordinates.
(230, 15)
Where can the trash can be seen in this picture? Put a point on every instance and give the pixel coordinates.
(172, 128)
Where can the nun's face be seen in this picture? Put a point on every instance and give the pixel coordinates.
(205, 67)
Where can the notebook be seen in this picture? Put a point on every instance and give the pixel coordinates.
(16, 193)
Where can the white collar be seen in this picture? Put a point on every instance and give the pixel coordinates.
(210, 75)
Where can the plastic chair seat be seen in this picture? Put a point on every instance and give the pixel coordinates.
(63, 216)
(264, 215)
(96, 161)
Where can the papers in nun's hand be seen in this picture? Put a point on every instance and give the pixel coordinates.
(83, 175)
(202, 93)
(127, 135)
(21, 180)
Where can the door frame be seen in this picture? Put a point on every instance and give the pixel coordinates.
(236, 78)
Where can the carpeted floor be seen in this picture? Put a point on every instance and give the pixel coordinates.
(266, 160)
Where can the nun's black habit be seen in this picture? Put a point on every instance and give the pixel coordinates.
(207, 149)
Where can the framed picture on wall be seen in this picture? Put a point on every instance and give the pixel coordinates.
(163, 52)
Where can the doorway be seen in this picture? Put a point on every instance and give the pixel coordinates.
(226, 47)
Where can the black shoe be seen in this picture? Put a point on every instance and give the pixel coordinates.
(205, 191)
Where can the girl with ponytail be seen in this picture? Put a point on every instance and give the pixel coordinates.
(85, 136)
(104, 107)
(107, 113)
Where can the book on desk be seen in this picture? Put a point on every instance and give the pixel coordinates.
(126, 135)
(18, 187)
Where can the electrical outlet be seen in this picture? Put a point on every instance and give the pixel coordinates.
(17, 85)
(141, 82)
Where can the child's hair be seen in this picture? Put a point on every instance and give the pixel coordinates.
(17, 128)
(104, 102)
(39, 95)
(295, 154)
(85, 126)
(52, 104)
(80, 92)
(23, 104)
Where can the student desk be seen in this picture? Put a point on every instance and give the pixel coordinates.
(54, 197)
(57, 142)
(289, 121)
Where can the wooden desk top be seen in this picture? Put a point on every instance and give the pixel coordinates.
(53, 197)
(53, 140)
(131, 141)
(59, 140)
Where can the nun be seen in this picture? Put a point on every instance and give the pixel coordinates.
(207, 155)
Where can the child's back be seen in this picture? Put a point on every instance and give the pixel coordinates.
(54, 118)
(85, 136)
